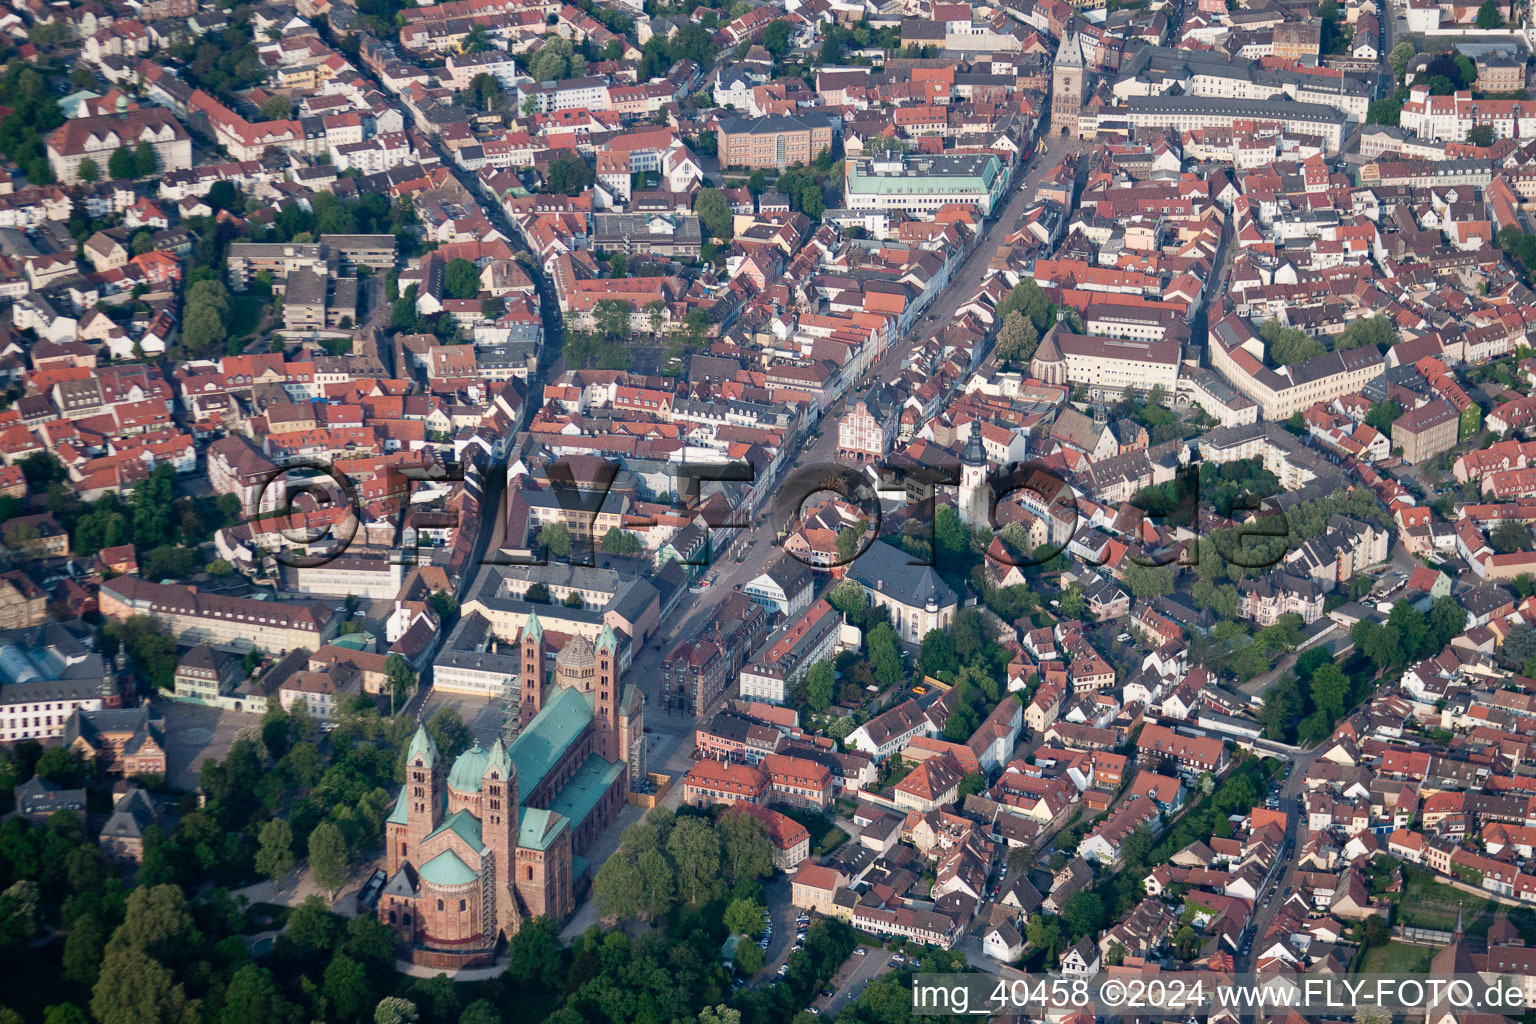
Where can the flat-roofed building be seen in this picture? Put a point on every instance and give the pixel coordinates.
(921, 185)
(304, 303)
(353, 251)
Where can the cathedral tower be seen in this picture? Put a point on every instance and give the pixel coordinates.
(533, 670)
(498, 830)
(423, 788)
(605, 703)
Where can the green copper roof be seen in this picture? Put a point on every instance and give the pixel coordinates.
(422, 745)
(447, 869)
(607, 641)
(497, 758)
(464, 825)
(467, 769)
(586, 788)
(540, 744)
(533, 629)
(398, 815)
(537, 828)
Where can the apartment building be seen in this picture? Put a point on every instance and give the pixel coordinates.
(97, 138)
(798, 781)
(1238, 355)
(790, 652)
(711, 782)
(1427, 431)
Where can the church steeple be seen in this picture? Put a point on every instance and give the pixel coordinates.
(423, 783)
(975, 501)
(533, 670)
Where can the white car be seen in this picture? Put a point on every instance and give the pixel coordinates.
(861, 951)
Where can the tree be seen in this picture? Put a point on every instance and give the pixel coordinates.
(147, 162)
(569, 174)
(1287, 345)
(745, 847)
(120, 164)
(328, 856)
(1030, 299)
(744, 917)
(1148, 581)
(1401, 54)
(776, 38)
(88, 171)
(849, 541)
(274, 854)
(1017, 339)
(64, 766)
(1382, 414)
(346, 987)
(885, 654)
(657, 890)
(557, 538)
(1329, 689)
(395, 1010)
(135, 989)
(1073, 605)
(401, 678)
(616, 888)
(461, 280)
(64, 1013)
(1488, 15)
(820, 686)
(1481, 135)
(1084, 913)
(534, 956)
(620, 542)
(205, 310)
(714, 211)
(448, 731)
(253, 995)
(750, 958)
(695, 851)
(482, 1011)
(476, 40)
(1509, 536)
(1373, 330)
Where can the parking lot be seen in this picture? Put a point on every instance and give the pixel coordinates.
(850, 981)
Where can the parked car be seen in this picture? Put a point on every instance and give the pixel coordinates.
(861, 951)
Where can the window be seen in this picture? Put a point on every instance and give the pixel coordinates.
(529, 870)
(463, 906)
(439, 904)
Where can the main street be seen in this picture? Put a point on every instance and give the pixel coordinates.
(1272, 897)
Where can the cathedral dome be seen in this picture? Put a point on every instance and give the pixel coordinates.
(467, 770)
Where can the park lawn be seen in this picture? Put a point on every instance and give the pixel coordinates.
(245, 314)
(831, 841)
(1428, 903)
(1397, 958)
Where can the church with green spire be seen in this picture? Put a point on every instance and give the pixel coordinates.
(476, 847)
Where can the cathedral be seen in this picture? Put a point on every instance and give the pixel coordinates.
(474, 848)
